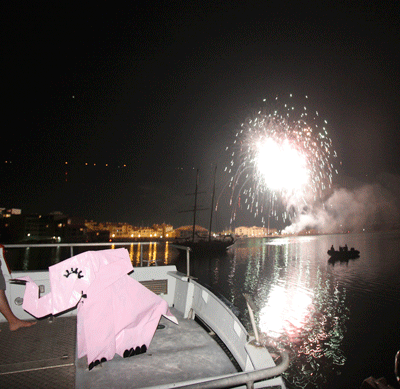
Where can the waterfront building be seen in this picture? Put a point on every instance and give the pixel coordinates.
(255, 232)
(54, 227)
(11, 226)
(57, 227)
(164, 230)
(121, 231)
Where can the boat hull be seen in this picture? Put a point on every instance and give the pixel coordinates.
(210, 247)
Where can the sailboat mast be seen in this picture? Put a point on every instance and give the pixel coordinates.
(195, 205)
(212, 205)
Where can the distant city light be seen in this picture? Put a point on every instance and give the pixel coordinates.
(77, 164)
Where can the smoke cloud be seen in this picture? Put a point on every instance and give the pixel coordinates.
(370, 206)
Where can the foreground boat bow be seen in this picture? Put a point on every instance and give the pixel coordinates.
(184, 355)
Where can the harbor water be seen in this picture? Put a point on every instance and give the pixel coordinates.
(340, 322)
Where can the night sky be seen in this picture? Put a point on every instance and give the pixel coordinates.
(158, 90)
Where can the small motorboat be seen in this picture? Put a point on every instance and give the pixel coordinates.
(343, 254)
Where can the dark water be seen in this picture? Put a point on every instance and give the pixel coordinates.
(340, 323)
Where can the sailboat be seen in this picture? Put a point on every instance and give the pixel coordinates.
(200, 242)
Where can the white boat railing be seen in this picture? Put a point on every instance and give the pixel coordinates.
(243, 378)
(103, 244)
(197, 301)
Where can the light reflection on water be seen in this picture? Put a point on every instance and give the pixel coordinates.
(40, 258)
(339, 322)
(300, 308)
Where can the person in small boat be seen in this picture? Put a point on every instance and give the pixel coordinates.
(332, 248)
(345, 247)
(5, 309)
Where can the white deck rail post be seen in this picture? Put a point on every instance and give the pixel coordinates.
(252, 307)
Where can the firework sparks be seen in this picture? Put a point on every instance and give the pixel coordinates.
(281, 161)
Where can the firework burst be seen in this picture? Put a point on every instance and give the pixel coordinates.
(280, 162)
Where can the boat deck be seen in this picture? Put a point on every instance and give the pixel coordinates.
(44, 356)
(39, 356)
